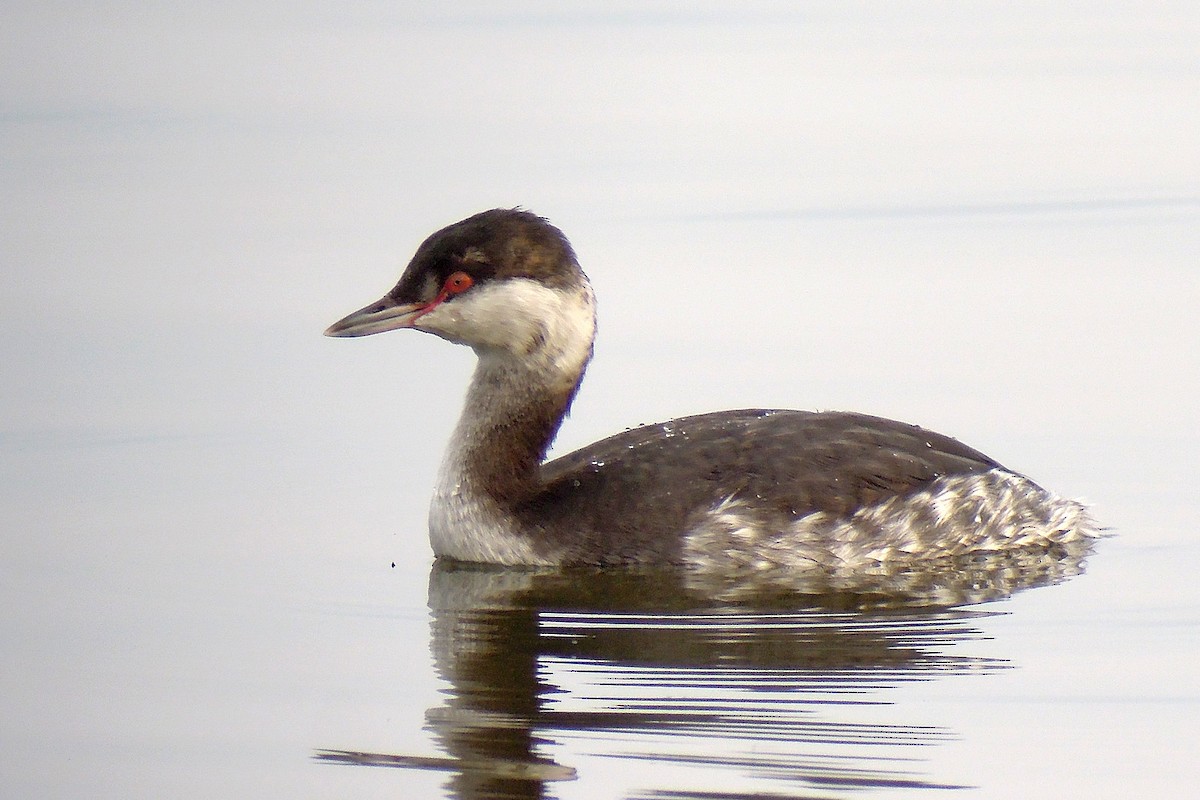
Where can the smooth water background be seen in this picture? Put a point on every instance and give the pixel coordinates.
(982, 218)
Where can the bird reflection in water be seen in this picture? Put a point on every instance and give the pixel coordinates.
(685, 672)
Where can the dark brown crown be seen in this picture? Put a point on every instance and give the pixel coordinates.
(492, 245)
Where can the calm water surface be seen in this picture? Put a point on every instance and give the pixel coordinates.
(603, 685)
(214, 573)
(642, 680)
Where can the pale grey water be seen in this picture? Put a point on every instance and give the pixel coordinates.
(985, 222)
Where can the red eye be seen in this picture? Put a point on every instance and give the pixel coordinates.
(458, 283)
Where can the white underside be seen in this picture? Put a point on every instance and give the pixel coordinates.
(958, 515)
(465, 526)
(992, 512)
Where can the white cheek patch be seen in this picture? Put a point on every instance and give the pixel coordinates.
(552, 328)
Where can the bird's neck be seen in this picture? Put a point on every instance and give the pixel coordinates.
(516, 401)
(491, 467)
(512, 413)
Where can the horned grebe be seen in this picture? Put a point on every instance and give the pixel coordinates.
(727, 491)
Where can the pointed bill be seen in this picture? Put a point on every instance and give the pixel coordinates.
(385, 314)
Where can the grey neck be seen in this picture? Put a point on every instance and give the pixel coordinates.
(509, 420)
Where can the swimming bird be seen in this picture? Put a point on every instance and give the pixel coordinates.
(730, 491)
